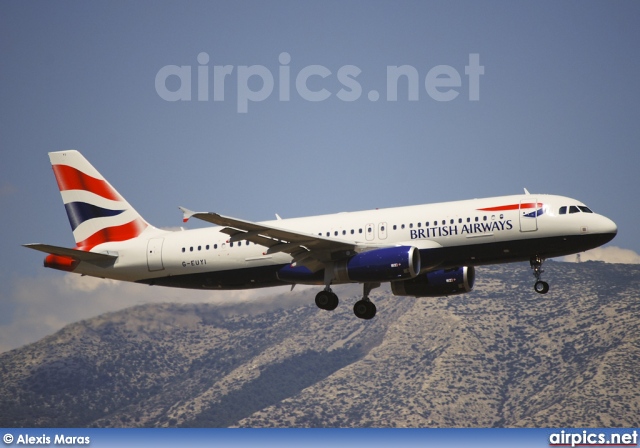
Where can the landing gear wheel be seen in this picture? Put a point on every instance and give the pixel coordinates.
(327, 300)
(364, 309)
(536, 264)
(541, 287)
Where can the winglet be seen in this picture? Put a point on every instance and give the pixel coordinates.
(526, 192)
(186, 214)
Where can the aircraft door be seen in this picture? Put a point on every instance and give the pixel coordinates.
(369, 232)
(154, 254)
(529, 215)
(382, 230)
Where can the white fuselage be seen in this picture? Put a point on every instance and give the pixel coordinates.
(471, 232)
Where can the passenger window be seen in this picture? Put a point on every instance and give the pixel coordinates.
(215, 246)
(411, 226)
(344, 232)
(402, 226)
(563, 210)
(183, 249)
(395, 227)
(573, 209)
(207, 247)
(426, 224)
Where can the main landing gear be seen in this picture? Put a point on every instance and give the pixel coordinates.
(363, 308)
(327, 300)
(540, 286)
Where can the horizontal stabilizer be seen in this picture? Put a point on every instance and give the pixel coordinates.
(80, 255)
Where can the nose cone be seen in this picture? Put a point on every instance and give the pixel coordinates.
(609, 226)
(606, 227)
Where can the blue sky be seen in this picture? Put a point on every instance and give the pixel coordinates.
(557, 112)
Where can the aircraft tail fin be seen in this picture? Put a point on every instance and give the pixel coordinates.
(97, 212)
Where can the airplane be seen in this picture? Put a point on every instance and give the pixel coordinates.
(426, 250)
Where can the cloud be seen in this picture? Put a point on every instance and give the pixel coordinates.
(609, 254)
(37, 307)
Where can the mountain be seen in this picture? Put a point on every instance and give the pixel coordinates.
(501, 355)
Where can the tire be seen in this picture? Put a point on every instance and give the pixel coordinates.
(364, 309)
(327, 300)
(541, 287)
(333, 302)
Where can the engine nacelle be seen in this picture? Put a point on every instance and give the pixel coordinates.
(444, 282)
(378, 265)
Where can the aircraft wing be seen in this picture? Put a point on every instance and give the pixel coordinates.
(307, 249)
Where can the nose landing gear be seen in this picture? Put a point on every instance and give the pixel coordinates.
(541, 287)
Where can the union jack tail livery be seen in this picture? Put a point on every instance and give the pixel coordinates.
(97, 212)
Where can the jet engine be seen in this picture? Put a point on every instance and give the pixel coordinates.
(378, 265)
(445, 282)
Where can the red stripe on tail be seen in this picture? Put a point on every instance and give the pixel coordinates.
(116, 233)
(70, 178)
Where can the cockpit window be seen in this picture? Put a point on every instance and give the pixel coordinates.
(574, 209)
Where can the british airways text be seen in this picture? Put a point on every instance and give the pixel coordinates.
(455, 229)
